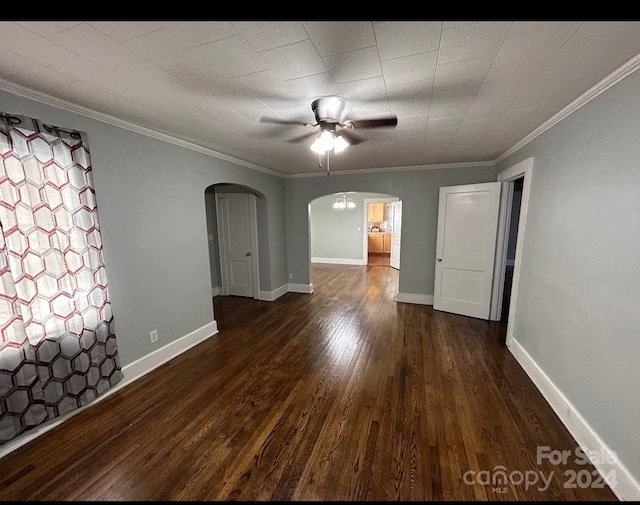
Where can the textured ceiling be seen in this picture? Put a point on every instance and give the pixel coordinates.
(462, 91)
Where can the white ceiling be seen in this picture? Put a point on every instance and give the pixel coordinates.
(462, 91)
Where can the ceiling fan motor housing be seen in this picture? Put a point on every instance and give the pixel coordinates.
(330, 112)
(329, 109)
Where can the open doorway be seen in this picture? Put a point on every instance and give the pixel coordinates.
(474, 225)
(514, 204)
(516, 200)
(339, 227)
(339, 230)
(382, 224)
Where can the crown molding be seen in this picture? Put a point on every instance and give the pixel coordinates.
(59, 103)
(395, 169)
(613, 78)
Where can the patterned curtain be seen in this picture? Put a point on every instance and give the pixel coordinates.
(57, 348)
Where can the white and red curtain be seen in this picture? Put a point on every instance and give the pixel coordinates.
(57, 346)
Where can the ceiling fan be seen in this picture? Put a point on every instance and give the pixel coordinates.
(335, 131)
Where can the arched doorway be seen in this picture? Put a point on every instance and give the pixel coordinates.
(237, 230)
(342, 231)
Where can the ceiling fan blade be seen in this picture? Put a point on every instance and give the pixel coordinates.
(350, 137)
(264, 119)
(296, 140)
(375, 123)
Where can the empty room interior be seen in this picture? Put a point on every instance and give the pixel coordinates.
(319, 260)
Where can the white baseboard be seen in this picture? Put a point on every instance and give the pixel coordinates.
(144, 365)
(131, 372)
(414, 298)
(626, 486)
(216, 291)
(270, 296)
(300, 288)
(339, 261)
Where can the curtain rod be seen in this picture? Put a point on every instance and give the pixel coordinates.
(14, 119)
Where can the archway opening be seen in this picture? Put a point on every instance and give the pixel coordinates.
(238, 238)
(356, 229)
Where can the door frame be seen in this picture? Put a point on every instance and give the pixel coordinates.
(397, 204)
(253, 238)
(523, 169)
(365, 232)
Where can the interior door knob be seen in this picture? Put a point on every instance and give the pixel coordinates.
(440, 259)
(248, 254)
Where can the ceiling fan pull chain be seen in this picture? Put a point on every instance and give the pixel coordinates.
(328, 163)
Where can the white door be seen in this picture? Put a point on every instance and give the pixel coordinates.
(465, 249)
(237, 248)
(396, 232)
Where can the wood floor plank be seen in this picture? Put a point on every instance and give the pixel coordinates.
(342, 394)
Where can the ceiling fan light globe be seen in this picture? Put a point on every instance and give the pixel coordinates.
(323, 143)
(326, 137)
(340, 144)
(317, 147)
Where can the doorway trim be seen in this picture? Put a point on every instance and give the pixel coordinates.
(523, 169)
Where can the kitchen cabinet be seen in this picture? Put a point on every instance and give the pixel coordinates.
(379, 242)
(387, 243)
(375, 212)
(376, 243)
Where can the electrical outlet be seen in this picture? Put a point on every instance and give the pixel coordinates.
(290, 275)
(153, 336)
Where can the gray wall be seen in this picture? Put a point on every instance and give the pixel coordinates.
(578, 313)
(334, 232)
(151, 208)
(419, 192)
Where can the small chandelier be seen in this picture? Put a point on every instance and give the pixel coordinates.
(342, 202)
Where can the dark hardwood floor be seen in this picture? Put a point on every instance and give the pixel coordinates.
(343, 394)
